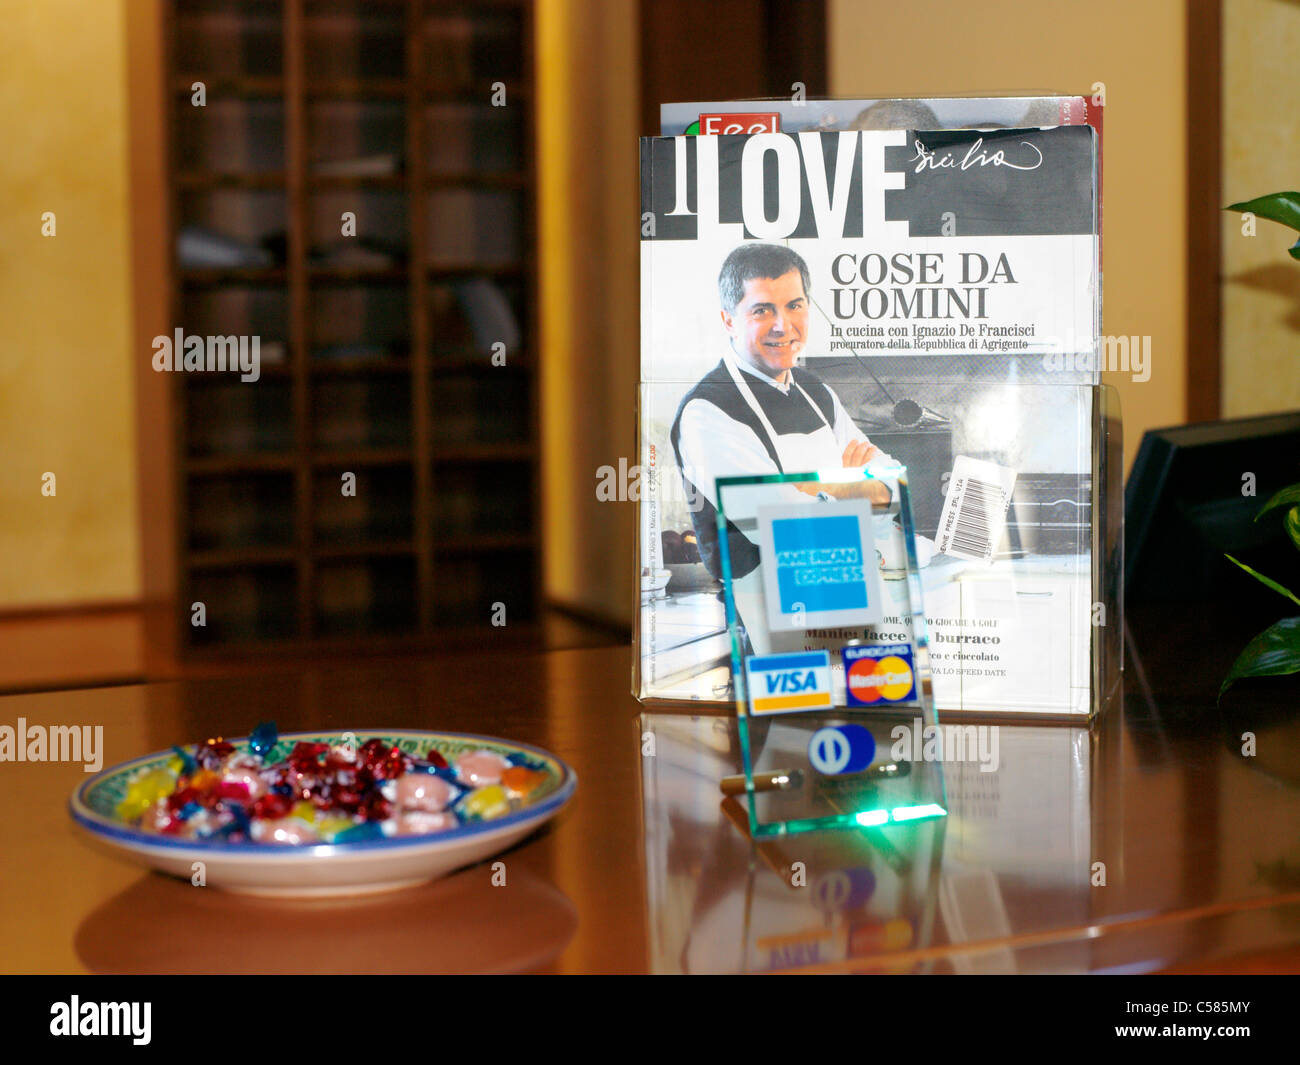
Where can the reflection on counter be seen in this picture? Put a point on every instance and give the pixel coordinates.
(459, 924)
(1012, 858)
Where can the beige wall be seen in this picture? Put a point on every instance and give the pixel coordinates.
(1261, 283)
(66, 398)
(588, 62)
(933, 47)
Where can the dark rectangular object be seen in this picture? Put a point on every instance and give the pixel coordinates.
(1185, 507)
(927, 454)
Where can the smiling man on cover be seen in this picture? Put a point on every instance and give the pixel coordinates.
(756, 412)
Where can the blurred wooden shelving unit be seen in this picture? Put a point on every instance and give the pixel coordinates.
(381, 348)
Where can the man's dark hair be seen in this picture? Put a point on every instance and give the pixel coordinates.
(749, 261)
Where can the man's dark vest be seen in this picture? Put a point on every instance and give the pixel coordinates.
(789, 414)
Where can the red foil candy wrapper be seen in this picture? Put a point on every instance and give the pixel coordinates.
(231, 789)
(375, 808)
(211, 753)
(305, 757)
(271, 806)
(180, 797)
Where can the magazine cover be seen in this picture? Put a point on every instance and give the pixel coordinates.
(789, 115)
(819, 300)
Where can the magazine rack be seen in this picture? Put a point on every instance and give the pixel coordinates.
(835, 731)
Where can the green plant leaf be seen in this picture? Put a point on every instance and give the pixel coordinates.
(1265, 580)
(1281, 207)
(1293, 525)
(1288, 496)
(1273, 653)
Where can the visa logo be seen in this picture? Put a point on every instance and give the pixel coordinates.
(792, 681)
(789, 683)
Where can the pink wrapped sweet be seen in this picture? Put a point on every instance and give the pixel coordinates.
(423, 822)
(422, 791)
(481, 768)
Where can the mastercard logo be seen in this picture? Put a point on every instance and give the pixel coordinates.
(872, 680)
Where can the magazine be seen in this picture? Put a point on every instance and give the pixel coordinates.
(820, 299)
(788, 115)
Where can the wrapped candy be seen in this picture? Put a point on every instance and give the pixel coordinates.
(145, 790)
(263, 738)
(419, 791)
(481, 767)
(519, 780)
(335, 793)
(486, 803)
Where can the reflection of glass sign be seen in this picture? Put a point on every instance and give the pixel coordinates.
(819, 563)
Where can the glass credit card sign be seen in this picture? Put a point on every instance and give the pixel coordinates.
(829, 648)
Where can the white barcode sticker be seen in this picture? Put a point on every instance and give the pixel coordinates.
(975, 511)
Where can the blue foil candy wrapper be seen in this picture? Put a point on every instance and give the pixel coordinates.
(188, 764)
(263, 738)
(239, 826)
(359, 833)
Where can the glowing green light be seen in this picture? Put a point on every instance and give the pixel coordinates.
(873, 817)
(911, 813)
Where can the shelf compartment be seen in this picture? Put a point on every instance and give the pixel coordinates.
(245, 603)
(382, 509)
(358, 323)
(356, 138)
(240, 310)
(481, 406)
(480, 503)
(241, 511)
(466, 587)
(354, 40)
(381, 240)
(465, 47)
(359, 413)
(465, 138)
(226, 227)
(227, 418)
(230, 135)
(229, 40)
(482, 227)
(469, 315)
(375, 595)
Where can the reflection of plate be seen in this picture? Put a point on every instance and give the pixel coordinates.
(326, 869)
(459, 924)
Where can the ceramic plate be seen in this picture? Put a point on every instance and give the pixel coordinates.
(327, 869)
